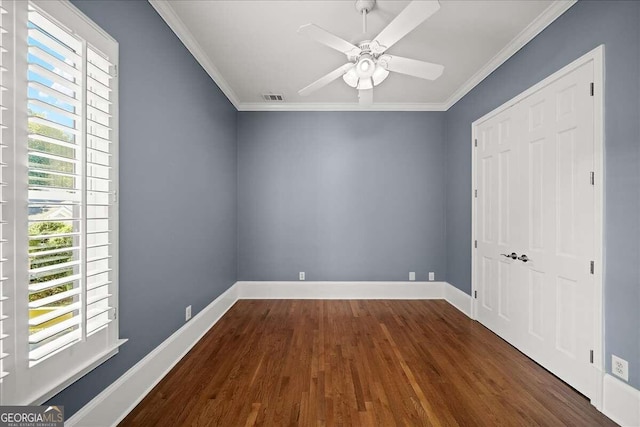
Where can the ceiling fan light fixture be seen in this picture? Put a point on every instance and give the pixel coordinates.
(365, 83)
(365, 66)
(379, 75)
(351, 77)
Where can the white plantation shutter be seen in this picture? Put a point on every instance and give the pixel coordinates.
(56, 221)
(100, 192)
(6, 35)
(58, 247)
(71, 189)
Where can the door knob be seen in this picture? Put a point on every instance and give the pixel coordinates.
(512, 256)
(523, 258)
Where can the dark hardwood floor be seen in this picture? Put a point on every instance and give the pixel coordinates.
(383, 363)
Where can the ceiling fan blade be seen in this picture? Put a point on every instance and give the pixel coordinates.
(365, 96)
(326, 38)
(412, 67)
(326, 79)
(413, 15)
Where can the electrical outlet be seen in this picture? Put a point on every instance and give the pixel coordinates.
(187, 313)
(412, 276)
(620, 367)
(432, 276)
(302, 275)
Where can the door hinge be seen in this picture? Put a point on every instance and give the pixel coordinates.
(593, 178)
(475, 142)
(476, 193)
(115, 71)
(591, 356)
(475, 294)
(115, 313)
(475, 244)
(593, 267)
(592, 88)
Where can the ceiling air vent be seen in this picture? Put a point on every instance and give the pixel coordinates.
(272, 97)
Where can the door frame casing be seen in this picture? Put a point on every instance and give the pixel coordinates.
(597, 57)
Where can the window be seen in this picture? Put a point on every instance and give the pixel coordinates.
(60, 224)
(5, 138)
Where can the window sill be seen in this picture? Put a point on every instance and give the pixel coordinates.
(81, 371)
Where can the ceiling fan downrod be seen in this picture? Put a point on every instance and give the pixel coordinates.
(364, 21)
(364, 7)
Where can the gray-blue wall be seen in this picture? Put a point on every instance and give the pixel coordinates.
(585, 26)
(340, 196)
(178, 221)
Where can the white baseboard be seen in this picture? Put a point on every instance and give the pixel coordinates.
(341, 290)
(620, 402)
(457, 298)
(356, 290)
(116, 401)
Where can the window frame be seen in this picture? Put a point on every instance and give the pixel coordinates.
(36, 384)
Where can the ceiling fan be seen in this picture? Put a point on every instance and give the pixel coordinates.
(369, 64)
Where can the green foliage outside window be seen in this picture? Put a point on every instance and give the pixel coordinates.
(47, 244)
(43, 179)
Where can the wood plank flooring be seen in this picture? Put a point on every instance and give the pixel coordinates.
(357, 363)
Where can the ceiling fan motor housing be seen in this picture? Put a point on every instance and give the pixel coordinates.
(365, 5)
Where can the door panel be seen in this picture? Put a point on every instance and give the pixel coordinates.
(566, 291)
(565, 185)
(489, 279)
(488, 199)
(504, 288)
(504, 197)
(535, 183)
(536, 303)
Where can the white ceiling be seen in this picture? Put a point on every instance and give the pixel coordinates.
(252, 47)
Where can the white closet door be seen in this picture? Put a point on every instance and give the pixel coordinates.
(499, 227)
(535, 198)
(557, 157)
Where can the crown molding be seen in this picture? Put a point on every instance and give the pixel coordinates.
(543, 20)
(327, 106)
(169, 16)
